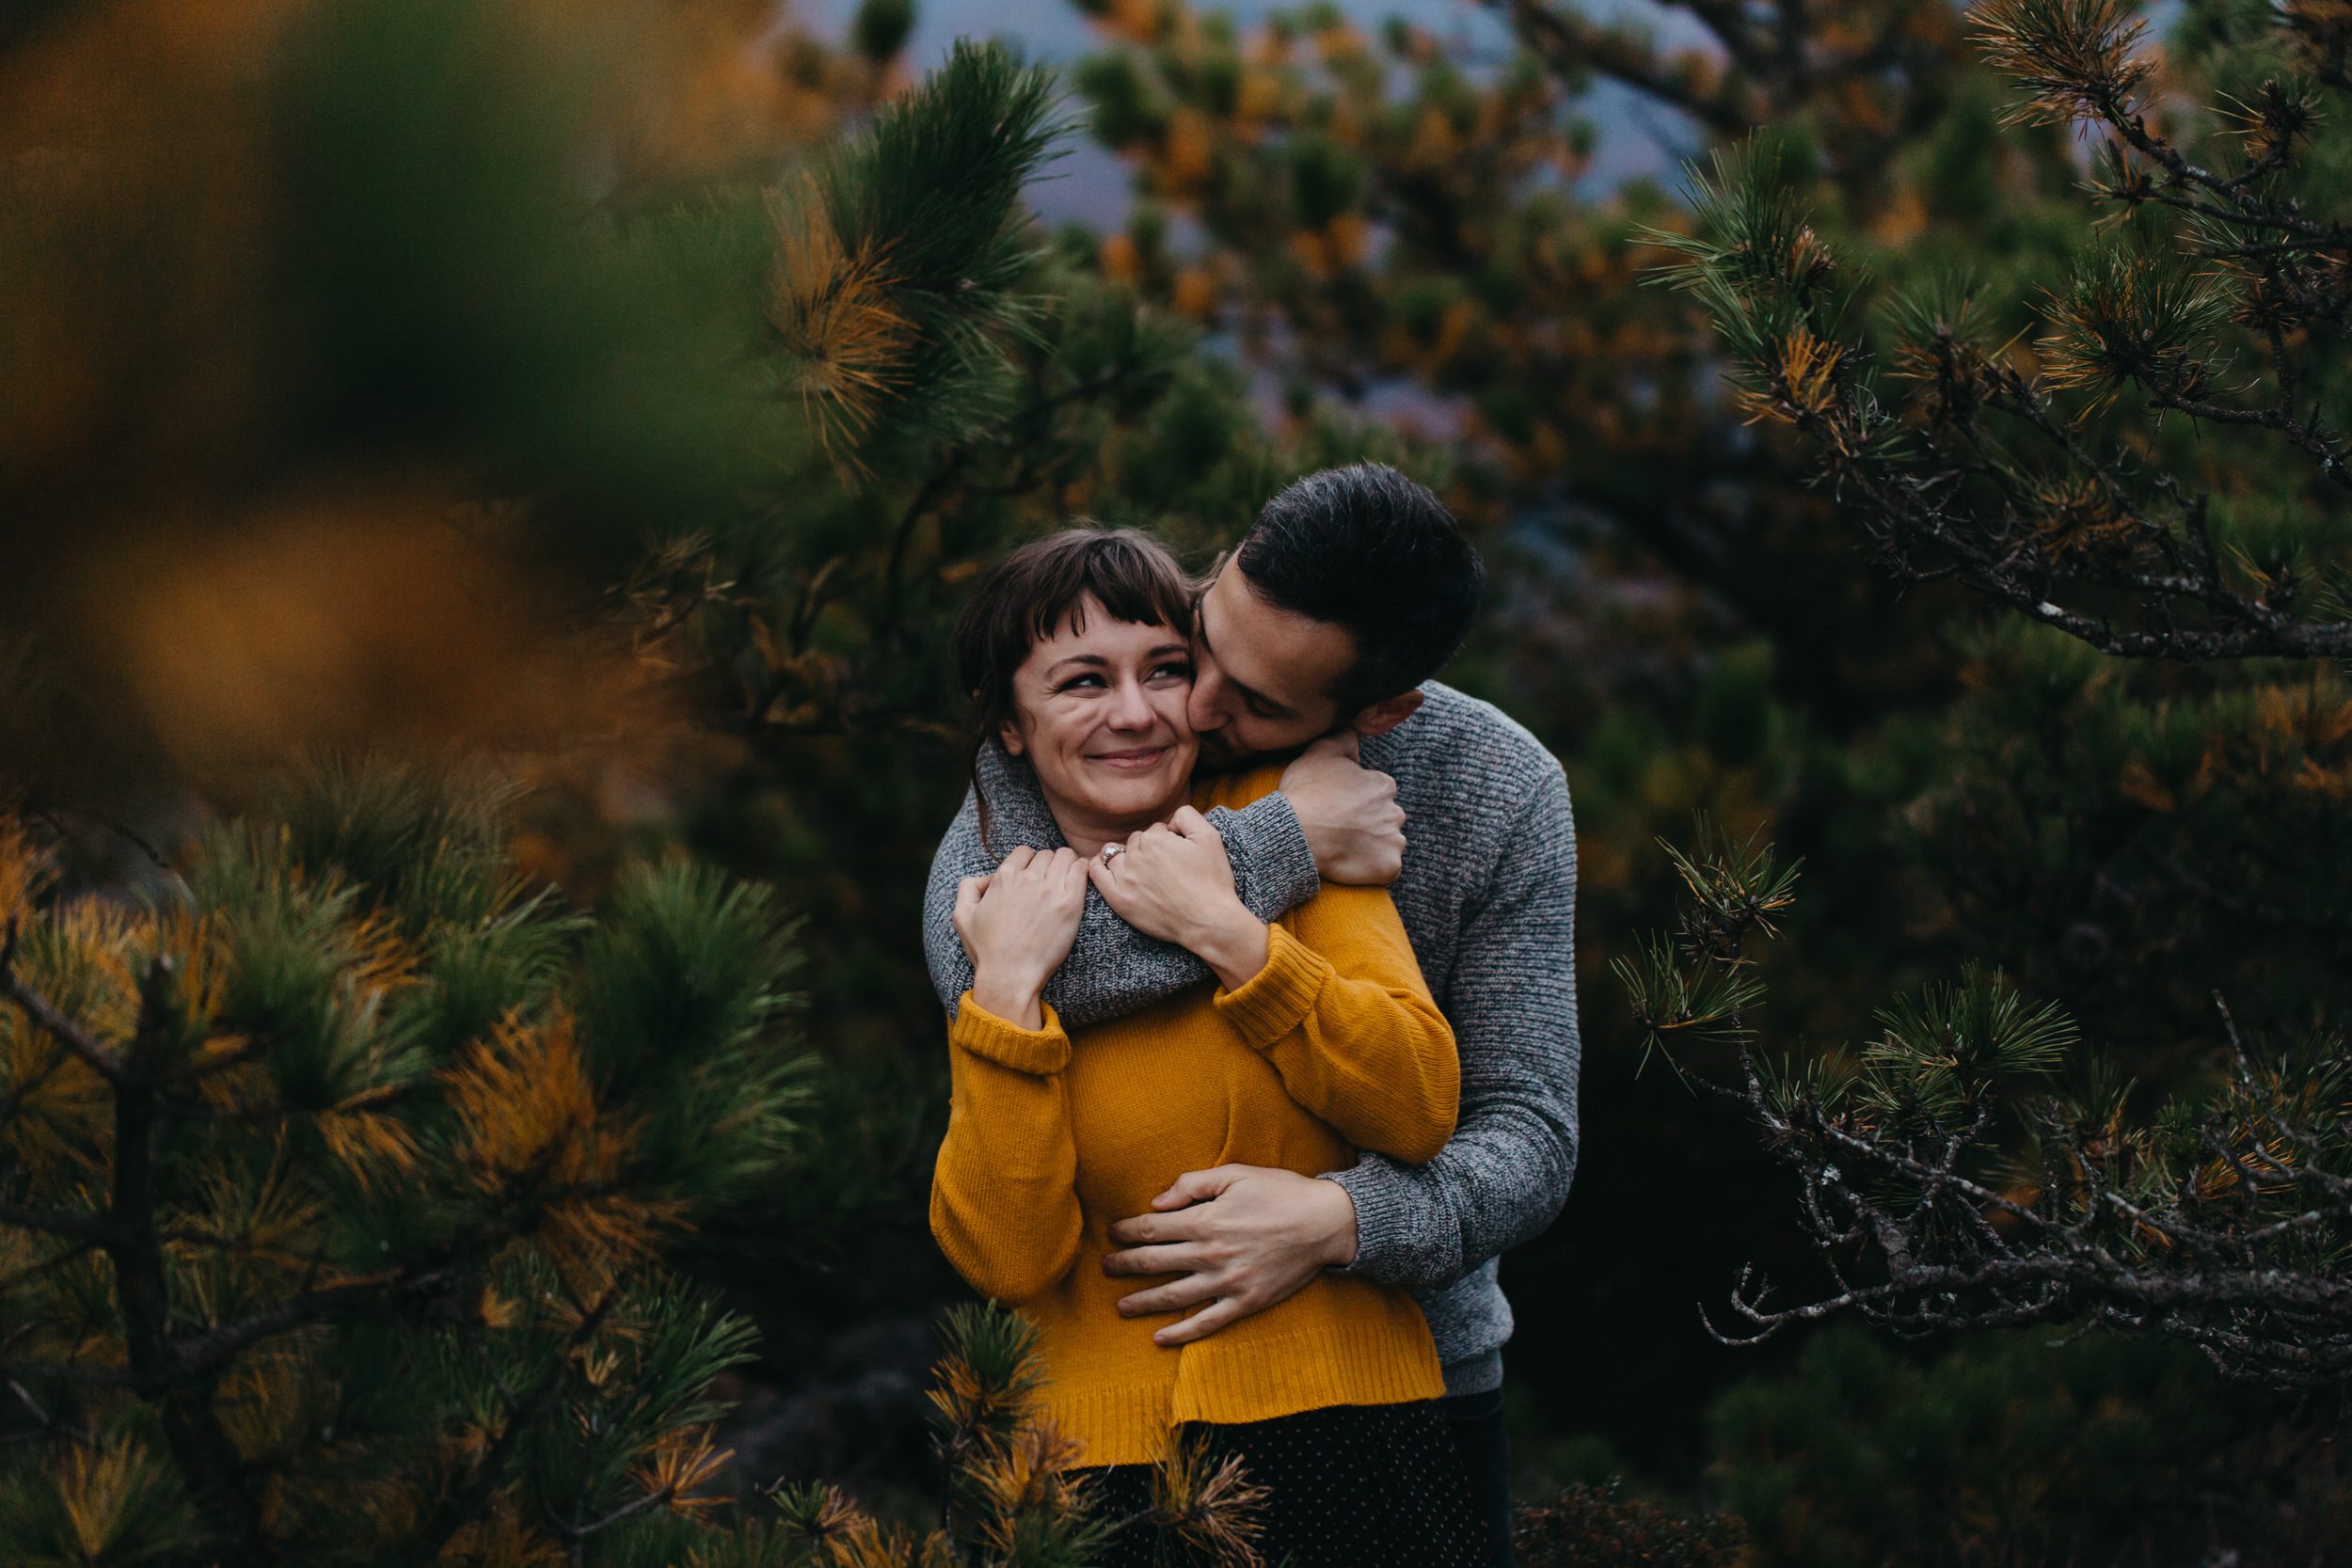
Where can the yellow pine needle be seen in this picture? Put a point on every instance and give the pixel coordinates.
(1027, 1474)
(1213, 1506)
(2080, 518)
(374, 1147)
(1802, 382)
(499, 1311)
(26, 872)
(684, 1463)
(264, 1400)
(386, 960)
(95, 1486)
(833, 312)
(64, 1115)
(969, 1401)
(527, 1123)
(867, 1544)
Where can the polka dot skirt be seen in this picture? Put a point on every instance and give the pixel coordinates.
(1352, 1486)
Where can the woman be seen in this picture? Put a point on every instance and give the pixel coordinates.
(1317, 1039)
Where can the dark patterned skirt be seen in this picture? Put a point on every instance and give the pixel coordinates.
(1350, 1486)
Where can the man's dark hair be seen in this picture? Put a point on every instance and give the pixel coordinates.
(1366, 548)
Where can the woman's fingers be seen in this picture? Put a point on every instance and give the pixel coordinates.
(1191, 823)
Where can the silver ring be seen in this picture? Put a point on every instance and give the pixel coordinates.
(1112, 852)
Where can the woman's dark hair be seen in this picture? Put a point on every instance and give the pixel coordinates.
(1368, 549)
(1020, 601)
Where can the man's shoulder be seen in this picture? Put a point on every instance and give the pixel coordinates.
(1463, 744)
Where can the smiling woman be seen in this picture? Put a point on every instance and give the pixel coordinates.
(1319, 1040)
(1077, 654)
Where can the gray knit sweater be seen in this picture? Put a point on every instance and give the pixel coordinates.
(1488, 896)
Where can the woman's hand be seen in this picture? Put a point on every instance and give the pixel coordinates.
(1017, 922)
(1172, 882)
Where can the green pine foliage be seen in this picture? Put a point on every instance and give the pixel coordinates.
(2145, 482)
(338, 1179)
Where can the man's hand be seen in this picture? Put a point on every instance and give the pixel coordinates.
(1354, 826)
(1243, 1237)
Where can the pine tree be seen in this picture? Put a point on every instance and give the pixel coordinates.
(342, 1180)
(338, 1179)
(1389, 215)
(2145, 464)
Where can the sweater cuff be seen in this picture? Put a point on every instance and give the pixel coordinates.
(1036, 1051)
(1276, 1000)
(1380, 1218)
(1274, 870)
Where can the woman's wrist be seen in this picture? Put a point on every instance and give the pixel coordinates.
(1016, 999)
(1232, 942)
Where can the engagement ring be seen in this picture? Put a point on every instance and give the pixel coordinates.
(1112, 852)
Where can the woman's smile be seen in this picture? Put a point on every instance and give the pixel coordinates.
(1133, 759)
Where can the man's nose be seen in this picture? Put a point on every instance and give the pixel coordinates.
(1202, 709)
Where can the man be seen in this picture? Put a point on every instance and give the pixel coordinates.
(1317, 638)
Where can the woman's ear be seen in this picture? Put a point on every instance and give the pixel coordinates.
(1008, 737)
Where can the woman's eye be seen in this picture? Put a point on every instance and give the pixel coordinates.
(1074, 682)
(1180, 669)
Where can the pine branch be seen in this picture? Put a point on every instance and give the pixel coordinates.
(460, 1507)
(77, 1039)
(57, 1222)
(1569, 44)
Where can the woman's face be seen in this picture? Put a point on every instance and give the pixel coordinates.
(1100, 713)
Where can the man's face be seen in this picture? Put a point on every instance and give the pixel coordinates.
(1264, 677)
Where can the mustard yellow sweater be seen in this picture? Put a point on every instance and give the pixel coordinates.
(1052, 1136)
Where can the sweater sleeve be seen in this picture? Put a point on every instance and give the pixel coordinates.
(1113, 969)
(1512, 997)
(1343, 1014)
(1004, 1200)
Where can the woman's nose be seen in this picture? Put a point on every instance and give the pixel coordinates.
(1130, 710)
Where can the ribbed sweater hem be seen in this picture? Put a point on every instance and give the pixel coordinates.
(1129, 1423)
(1476, 1374)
